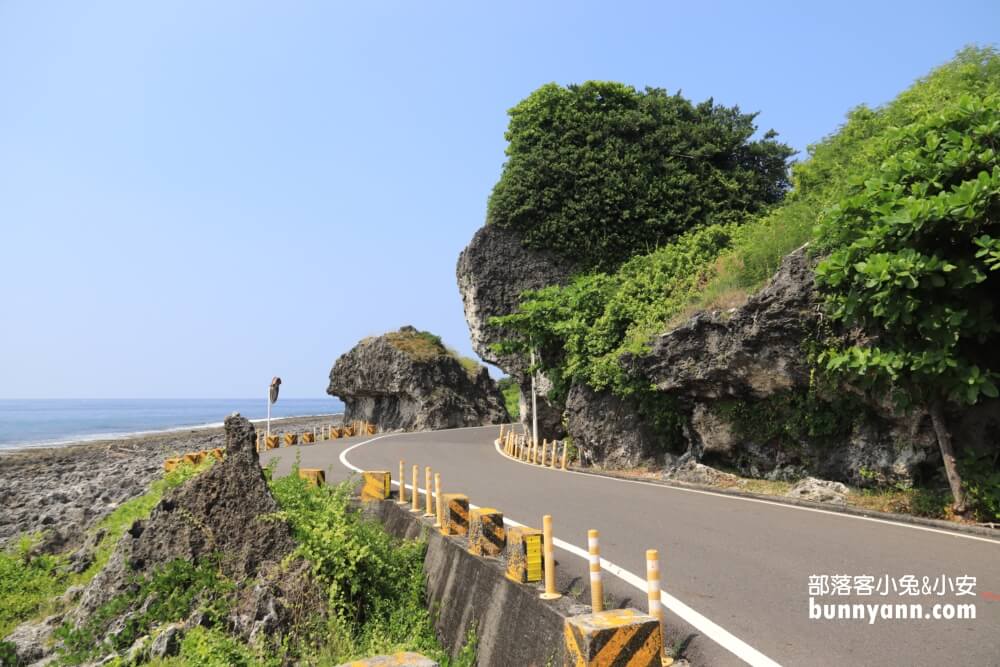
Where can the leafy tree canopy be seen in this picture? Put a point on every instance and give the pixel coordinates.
(917, 258)
(601, 171)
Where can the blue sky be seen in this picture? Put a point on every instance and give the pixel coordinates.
(195, 196)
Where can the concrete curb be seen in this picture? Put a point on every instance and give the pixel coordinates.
(841, 509)
(465, 592)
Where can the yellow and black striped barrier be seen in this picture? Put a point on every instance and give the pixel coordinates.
(456, 514)
(171, 464)
(487, 535)
(194, 458)
(614, 637)
(308, 438)
(524, 554)
(347, 431)
(314, 476)
(291, 439)
(217, 453)
(376, 485)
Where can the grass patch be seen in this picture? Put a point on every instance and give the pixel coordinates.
(26, 583)
(419, 345)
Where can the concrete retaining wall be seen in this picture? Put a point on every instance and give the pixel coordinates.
(465, 592)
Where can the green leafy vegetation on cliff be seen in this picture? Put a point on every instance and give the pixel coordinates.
(903, 198)
(511, 396)
(600, 171)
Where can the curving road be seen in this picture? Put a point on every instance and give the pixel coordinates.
(736, 571)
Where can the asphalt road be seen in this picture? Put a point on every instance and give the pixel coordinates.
(738, 569)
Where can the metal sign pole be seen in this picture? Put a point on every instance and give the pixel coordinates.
(534, 401)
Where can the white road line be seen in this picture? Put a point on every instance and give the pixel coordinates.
(713, 631)
(840, 515)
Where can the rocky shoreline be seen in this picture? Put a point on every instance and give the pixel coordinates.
(61, 491)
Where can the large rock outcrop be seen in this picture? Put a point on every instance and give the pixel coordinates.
(224, 511)
(758, 353)
(608, 430)
(408, 380)
(493, 271)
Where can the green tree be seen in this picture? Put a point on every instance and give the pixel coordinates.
(601, 172)
(915, 264)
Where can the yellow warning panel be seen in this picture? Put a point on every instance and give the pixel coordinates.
(456, 514)
(347, 431)
(171, 463)
(614, 637)
(376, 484)
(291, 439)
(487, 536)
(314, 476)
(308, 438)
(272, 442)
(524, 554)
(216, 453)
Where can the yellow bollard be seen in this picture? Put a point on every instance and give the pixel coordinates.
(545, 447)
(429, 497)
(402, 483)
(437, 496)
(377, 485)
(564, 455)
(653, 592)
(596, 585)
(314, 476)
(550, 561)
(500, 437)
(415, 506)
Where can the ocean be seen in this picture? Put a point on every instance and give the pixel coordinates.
(36, 422)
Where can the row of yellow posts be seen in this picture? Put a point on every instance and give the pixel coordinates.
(194, 458)
(520, 447)
(600, 637)
(317, 434)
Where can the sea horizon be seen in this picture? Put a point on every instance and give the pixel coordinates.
(47, 422)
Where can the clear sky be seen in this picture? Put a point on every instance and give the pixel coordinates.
(195, 196)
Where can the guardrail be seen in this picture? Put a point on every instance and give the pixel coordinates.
(598, 638)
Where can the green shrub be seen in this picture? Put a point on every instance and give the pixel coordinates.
(600, 171)
(916, 253)
(375, 583)
(211, 647)
(981, 479)
(166, 595)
